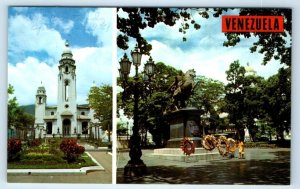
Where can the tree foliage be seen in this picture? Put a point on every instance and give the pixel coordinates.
(258, 104)
(234, 96)
(253, 103)
(154, 101)
(271, 45)
(208, 96)
(16, 116)
(141, 18)
(121, 129)
(12, 106)
(155, 105)
(100, 100)
(243, 99)
(278, 101)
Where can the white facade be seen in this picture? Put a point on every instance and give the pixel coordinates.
(67, 119)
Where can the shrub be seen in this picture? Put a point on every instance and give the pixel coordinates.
(71, 149)
(14, 147)
(54, 147)
(35, 142)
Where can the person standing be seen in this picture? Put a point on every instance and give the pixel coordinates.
(241, 146)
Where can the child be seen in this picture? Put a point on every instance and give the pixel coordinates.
(241, 149)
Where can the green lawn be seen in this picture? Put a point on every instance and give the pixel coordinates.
(84, 161)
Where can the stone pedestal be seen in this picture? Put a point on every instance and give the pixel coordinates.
(176, 154)
(184, 122)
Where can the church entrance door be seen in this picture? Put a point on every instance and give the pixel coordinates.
(66, 127)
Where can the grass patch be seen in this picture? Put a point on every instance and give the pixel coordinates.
(55, 163)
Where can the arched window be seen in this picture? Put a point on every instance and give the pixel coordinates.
(67, 90)
(67, 69)
(40, 100)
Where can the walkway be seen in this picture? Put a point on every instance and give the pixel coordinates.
(261, 166)
(104, 177)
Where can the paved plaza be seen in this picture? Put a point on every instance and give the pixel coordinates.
(103, 177)
(264, 166)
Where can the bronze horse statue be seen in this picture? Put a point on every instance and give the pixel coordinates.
(182, 88)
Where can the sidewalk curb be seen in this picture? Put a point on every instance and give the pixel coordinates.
(83, 170)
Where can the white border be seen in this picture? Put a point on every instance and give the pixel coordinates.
(114, 83)
(295, 183)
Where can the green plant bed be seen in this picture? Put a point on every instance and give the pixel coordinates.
(49, 162)
(39, 157)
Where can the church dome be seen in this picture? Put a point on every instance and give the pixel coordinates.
(249, 70)
(41, 88)
(67, 53)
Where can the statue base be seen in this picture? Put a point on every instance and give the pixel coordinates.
(175, 142)
(176, 154)
(184, 123)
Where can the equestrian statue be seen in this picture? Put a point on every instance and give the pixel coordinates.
(182, 88)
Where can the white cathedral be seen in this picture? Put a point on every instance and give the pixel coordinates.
(67, 119)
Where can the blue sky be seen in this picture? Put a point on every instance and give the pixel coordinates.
(203, 50)
(36, 37)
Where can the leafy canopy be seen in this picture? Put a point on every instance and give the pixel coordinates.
(271, 45)
(100, 100)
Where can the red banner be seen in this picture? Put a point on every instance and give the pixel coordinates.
(252, 24)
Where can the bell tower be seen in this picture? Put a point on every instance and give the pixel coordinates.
(66, 97)
(40, 108)
(40, 104)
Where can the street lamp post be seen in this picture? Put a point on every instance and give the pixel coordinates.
(135, 166)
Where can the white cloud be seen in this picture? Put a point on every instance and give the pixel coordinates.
(27, 76)
(99, 24)
(168, 34)
(122, 14)
(92, 65)
(212, 62)
(32, 34)
(65, 26)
